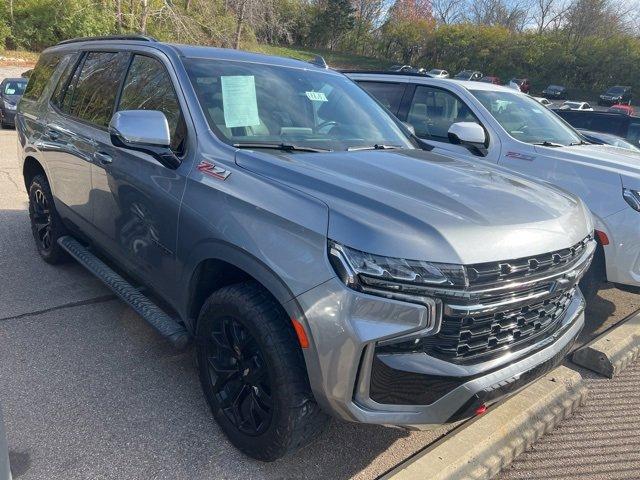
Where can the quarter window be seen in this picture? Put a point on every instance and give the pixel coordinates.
(94, 95)
(40, 75)
(61, 91)
(149, 87)
(388, 94)
(433, 111)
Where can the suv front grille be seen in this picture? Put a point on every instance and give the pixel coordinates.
(506, 306)
(474, 335)
(488, 273)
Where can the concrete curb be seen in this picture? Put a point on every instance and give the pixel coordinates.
(612, 351)
(479, 449)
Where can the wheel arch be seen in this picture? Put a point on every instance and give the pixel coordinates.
(227, 266)
(30, 168)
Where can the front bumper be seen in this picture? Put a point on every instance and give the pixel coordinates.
(607, 102)
(345, 328)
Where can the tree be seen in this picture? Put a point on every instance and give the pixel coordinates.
(334, 19)
(447, 12)
(512, 15)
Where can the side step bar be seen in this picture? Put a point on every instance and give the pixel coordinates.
(154, 315)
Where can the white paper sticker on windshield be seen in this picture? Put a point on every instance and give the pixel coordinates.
(239, 101)
(316, 96)
(10, 91)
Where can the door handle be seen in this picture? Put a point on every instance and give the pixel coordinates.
(103, 158)
(53, 134)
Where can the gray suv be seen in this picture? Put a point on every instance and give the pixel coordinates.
(322, 260)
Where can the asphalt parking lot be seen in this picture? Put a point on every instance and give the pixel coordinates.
(89, 390)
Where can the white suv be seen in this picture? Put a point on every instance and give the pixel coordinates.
(505, 127)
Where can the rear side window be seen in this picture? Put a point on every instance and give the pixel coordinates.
(94, 94)
(41, 74)
(148, 86)
(388, 94)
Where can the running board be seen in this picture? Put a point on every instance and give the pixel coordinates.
(154, 315)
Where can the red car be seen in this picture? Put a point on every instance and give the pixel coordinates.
(489, 79)
(621, 108)
(523, 84)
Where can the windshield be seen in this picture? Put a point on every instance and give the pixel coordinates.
(615, 90)
(525, 119)
(250, 103)
(464, 74)
(14, 87)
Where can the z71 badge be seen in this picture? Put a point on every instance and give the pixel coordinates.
(520, 156)
(212, 170)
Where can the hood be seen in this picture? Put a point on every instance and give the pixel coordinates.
(606, 157)
(419, 205)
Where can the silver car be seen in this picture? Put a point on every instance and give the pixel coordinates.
(322, 261)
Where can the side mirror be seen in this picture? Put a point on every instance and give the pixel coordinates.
(470, 135)
(144, 131)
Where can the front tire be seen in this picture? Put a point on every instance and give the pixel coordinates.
(253, 374)
(46, 224)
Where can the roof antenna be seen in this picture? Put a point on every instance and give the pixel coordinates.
(318, 61)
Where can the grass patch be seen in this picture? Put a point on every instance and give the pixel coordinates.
(334, 59)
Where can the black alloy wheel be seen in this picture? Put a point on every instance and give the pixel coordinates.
(240, 377)
(41, 218)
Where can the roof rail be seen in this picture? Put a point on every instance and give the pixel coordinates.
(143, 38)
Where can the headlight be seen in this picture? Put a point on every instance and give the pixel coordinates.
(632, 197)
(367, 272)
(8, 105)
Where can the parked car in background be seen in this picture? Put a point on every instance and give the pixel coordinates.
(521, 84)
(621, 108)
(600, 138)
(11, 90)
(5, 472)
(581, 106)
(614, 95)
(625, 126)
(468, 75)
(405, 69)
(438, 73)
(323, 259)
(491, 79)
(557, 92)
(543, 101)
(508, 128)
(401, 68)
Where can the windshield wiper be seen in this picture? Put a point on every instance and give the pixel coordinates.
(549, 144)
(377, 146)
(287, 147)
(581, 142)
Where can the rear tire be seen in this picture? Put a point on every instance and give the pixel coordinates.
(253, 374)
(46, 224)
(595, 277)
